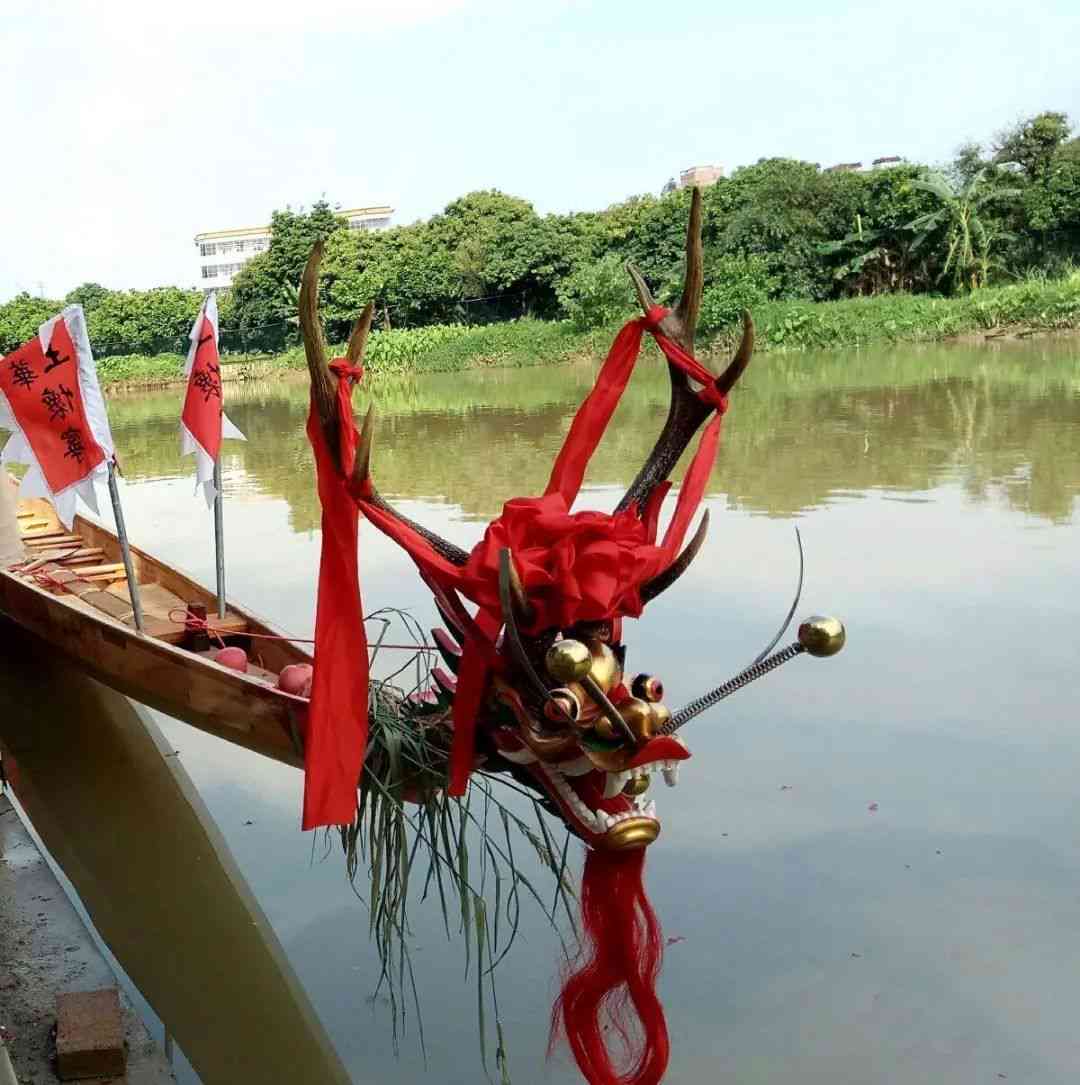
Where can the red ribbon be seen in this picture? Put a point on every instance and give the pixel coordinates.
(336, 736)
(347, 375)
(575, 566)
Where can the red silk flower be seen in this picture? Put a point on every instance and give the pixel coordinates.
(581, 566)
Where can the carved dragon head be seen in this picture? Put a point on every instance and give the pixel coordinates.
(555, 704)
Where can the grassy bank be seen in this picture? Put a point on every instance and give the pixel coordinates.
(1031, 306)
(1035, 305)
(440, 349)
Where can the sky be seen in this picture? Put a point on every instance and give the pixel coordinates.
(131, 126)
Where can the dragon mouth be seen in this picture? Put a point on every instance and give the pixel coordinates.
(608, 809)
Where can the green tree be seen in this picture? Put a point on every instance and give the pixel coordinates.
(1032, 143)
(967, 161)
(1052, 207)
(961, 222)
(260, 299)
(734, 283)
(598, 294)
(143, 321)
(21, 317)
(89, 296)
(782, 210)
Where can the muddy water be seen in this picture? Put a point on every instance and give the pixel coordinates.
(870, 868)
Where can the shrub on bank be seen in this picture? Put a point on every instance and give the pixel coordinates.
(780, 325)
(801, 325)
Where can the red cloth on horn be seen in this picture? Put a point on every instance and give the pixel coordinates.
(337, 727)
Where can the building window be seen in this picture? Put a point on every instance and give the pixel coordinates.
(208, 248)
(209, 271)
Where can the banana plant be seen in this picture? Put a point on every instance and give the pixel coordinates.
(969, 236)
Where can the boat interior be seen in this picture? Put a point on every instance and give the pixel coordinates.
(84, 568)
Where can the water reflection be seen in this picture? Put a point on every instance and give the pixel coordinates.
(803, 429)
(933, 937)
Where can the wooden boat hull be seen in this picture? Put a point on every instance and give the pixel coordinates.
(245, 709)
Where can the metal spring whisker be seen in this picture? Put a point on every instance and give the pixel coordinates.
(732, 685)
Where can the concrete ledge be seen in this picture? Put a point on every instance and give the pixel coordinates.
(46, 951)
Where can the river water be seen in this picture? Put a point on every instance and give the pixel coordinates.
(870, 869)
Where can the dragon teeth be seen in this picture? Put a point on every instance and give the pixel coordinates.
(578, 767)
(614, 783)
(671, 773)
(600, 821)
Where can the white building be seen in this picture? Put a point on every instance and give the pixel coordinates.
(222, 253)
(700, 176)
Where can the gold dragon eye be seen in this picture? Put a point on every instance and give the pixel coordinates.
(648, 687)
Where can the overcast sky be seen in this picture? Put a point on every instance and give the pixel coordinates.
(129, 126)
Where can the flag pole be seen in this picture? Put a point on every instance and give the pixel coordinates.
(219, 538)
(125, 546)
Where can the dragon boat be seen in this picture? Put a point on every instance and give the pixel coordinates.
(535, 685)
(70, 590)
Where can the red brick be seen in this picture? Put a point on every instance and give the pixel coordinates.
(89, 1035)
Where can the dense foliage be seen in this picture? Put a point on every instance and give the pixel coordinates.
(1036, 304)
(779, 230)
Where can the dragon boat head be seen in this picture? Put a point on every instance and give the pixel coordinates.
(535, 682)
(563, 717)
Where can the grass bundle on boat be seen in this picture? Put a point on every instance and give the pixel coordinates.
(478, 858)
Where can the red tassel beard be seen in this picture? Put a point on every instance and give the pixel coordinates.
(622, 951)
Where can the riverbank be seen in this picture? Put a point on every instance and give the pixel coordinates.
(52, 953)
(1021, 309)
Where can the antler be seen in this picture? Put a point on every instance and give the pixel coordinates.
(324, 397)
(687, 411)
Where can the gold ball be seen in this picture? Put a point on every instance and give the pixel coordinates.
(822, 636)
(662, 715)
(606, 729)
(568, 660)
(639, 716)
(605, 667)
(636, 785)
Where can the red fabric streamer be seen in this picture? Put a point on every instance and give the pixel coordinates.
(337, 727)
(623, 956)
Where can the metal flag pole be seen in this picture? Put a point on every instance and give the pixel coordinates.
(125, 547)
(219, 539)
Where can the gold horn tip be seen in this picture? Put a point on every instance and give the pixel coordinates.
(822, 636)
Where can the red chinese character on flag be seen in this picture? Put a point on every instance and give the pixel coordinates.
(42, 388)
(203, 422)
